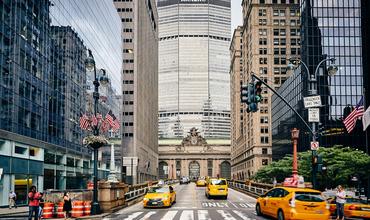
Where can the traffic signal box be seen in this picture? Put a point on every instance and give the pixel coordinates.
(317, 162)
(251, 94)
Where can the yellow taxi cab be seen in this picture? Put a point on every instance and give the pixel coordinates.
(353, 208)
(293, 203)
(216, 187)
(159, 196)
(201, 182)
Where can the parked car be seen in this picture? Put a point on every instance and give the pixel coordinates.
(353, 208)
(293, 203)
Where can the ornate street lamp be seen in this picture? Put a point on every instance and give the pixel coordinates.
(332, 70)
(95, 142)
(295, 136)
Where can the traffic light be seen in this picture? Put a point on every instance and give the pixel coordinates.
(317, 161)
(244, 92)
(252, 106)
(258, 92)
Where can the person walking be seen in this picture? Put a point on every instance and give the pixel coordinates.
(67, 206)
(340, 200)
(12, 199)
(33, 203)
(41, 204)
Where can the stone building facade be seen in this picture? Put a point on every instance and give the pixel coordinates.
(194, 156)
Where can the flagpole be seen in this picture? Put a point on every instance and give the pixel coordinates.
(366, 131)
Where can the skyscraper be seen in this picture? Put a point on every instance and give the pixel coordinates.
(140, 88)
(329, 30)
(270, 35)
(194, 38)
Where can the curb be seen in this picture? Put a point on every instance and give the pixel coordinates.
(247, 193)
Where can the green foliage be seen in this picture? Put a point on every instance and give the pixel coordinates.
(342, 163)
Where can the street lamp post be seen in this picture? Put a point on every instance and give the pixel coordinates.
(332, 69)
(295, 136)
(90, 66)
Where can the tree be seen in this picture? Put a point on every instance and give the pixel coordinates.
(342, 163)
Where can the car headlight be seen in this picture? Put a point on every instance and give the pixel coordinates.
(146, 199)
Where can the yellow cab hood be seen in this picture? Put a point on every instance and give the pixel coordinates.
(157, 195)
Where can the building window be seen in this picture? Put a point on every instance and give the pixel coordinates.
(264, 151)
(20, 150)
(265, 162)
(263, 32)
(264, 140)
(263, 70)
(263, 60)
(263, 41)
(262, 22)
(264, 120)
(263, 51)
(262, 12)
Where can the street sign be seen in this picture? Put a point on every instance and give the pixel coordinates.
(313, 115)
(314, 145)
(312, 101)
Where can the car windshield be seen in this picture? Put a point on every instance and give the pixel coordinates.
(158, 190)
(218, 182)
(309, 196)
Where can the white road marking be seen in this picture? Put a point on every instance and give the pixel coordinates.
(241, 215)
(226, 215)
(233, 205)
(187, 215)
(203, 215)
(133, 215)
(169, 215)
(147, 216)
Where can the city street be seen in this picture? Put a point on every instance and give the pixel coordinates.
(191, 204)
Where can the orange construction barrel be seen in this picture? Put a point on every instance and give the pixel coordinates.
(60, 213)
(77, 209)
(48, 210)
(87, 207)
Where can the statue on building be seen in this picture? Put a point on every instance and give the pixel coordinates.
(194, 139)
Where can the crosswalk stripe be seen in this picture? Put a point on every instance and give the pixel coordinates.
(169, 215)
(203, 215)
(133, 216)
(147, 216)
(187, 215)
(241, 215)
(226, 215)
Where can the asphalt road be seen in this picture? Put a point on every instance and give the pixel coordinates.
(192, 204)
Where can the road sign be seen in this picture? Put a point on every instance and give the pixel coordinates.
(312, 101)
(314, 145)
(313, 115)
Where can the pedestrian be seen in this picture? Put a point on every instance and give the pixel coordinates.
(67, 206)
(12, 199)
(41, 204)
(340, 200)
(33, 203)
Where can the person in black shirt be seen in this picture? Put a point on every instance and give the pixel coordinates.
(67, 206)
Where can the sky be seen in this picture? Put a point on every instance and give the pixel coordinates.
(98, 24)
(236, 14)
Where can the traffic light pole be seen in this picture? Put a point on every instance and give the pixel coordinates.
(286, 102)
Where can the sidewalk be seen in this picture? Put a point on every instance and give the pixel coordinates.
(6, 213)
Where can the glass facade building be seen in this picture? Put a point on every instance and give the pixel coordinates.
(330, 29)
(42, 79)
(194, 60)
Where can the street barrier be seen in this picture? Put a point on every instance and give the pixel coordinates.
(48, 210)
(87, 207)
(249, 188)
(77, 209)
(60, 213)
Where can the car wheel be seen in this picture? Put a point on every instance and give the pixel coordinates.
(258, 210)
(280, 215)
(225, 197)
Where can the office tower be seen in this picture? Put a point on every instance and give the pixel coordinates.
(329, 30)
(194, 38)
(140, 88)
(270, 35)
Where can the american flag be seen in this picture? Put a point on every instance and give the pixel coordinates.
(116, 125)
(110, 117)
(84, 122)
(350, 121)
(104, 126)
(96, 119)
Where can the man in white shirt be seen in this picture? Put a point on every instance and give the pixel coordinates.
(341, 199)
